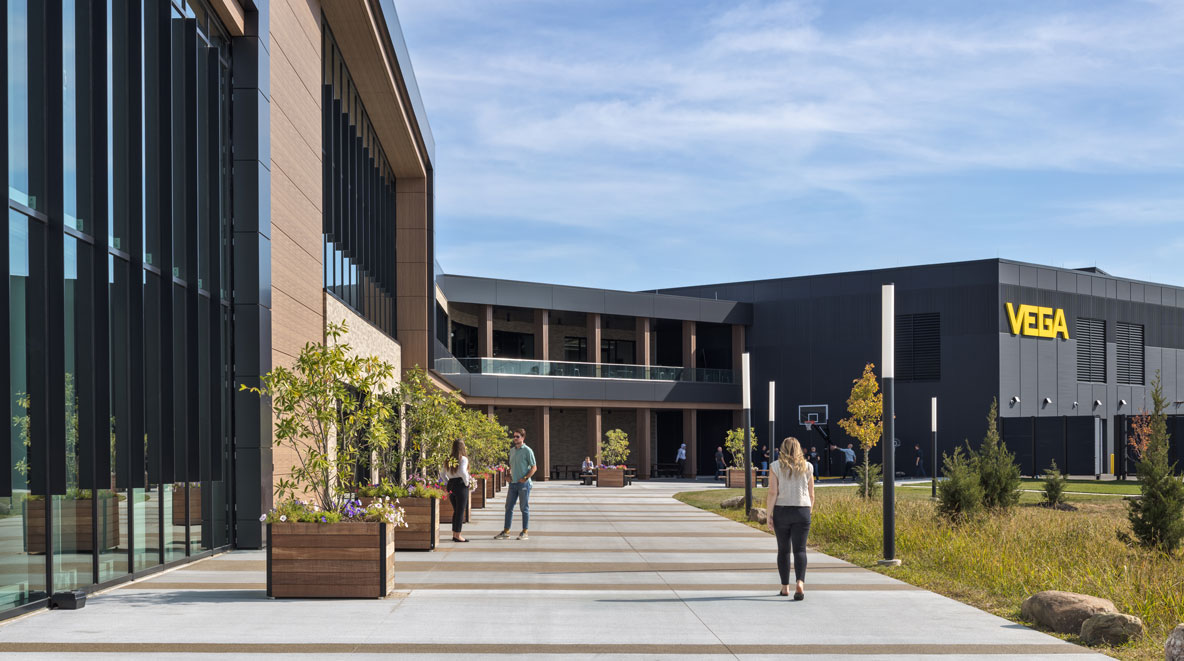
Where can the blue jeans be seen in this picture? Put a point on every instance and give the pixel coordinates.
(518, 492)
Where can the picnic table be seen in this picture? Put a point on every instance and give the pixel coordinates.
(665, 470)
(570, 471)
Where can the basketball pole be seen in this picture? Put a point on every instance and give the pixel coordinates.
(887, 374)
(747, 435)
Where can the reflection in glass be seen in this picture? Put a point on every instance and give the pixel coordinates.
(113, 559)
(22, 517)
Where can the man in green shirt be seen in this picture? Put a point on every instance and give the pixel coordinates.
(522, 466)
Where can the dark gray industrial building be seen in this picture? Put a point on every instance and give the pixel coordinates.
(1064, 393)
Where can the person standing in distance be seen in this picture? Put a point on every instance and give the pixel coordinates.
(681, 460)
(522, 466)
(789, 504)
(456, 472)
(814, 458)
(720, 466)
(918, 461)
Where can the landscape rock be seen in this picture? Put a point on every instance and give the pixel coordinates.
(733, 502)
(1173, 649)
(1111, 628)
(758, 514)
(1063, 612)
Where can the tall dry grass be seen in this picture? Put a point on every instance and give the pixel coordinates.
(995, 561)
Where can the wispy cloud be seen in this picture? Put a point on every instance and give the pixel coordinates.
(653, 137)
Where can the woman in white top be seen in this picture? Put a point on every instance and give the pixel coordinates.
(790, 499)
(456, 471)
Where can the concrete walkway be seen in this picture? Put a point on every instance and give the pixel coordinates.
(609, 572)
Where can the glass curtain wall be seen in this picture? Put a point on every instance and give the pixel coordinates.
(359, 199)
(117, 303)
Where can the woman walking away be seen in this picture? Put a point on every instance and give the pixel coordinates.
(790, 498)
(456, 471)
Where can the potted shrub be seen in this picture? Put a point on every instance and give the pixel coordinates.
(614, 450)
(327, 408)
(420, 501)
(734, 444)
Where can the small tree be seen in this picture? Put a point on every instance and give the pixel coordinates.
(960, 495)
(865, 408)
(430, 417)
(998, 473)
(1054, 486)
(734, 444)
(488, 441)
(1157, 518)
(614, 450)
(328, 406)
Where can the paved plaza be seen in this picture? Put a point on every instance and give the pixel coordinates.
(606, 572)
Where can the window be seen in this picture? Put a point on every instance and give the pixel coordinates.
(575, 349)
(1129, 338)
(1091, 350)
(619, 352)
(358, 199)
(918, 347)
(509, 344)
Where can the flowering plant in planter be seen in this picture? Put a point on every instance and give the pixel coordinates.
(415, 487)
(382, 510)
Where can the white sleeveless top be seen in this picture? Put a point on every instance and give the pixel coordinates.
(792, 490)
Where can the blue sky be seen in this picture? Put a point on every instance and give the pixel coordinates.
(634, 145)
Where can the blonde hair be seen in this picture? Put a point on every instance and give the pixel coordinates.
(792, 459)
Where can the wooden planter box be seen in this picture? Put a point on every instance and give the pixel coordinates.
(194, 506)
(489, 489)
(446, 510)
(499, 481)
(610, 477)
(334, 560)
(422, 516)
(76, 516)
(735, 478)
(477, 497)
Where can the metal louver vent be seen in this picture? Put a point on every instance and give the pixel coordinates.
(1129, 338)
(918, 347)
(1091, 350)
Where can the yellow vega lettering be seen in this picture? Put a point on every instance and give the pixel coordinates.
(1037, 321)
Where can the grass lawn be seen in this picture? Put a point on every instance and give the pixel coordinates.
(993, 563)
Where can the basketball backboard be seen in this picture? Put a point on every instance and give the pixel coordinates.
(812, 414)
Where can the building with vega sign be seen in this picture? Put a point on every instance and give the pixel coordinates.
(1070, 354)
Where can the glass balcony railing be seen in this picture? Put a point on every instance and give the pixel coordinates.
(520, 367)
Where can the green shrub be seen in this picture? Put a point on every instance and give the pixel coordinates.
(1157, 519)
(614, 449)
(960, 494)
(734, 444)
(998, 473)
(867, 478)
(1054, 486)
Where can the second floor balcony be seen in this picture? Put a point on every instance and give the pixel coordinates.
(556, 368)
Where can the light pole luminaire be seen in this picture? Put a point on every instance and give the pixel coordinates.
(887, 374)
(772, 445)
(933, 431)
(747, 390)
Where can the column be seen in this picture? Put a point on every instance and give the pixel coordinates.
(737, 349)
(642, 356)
(542, 448)
(485, 332)
(415, 296)
(595, 420)
(252, 277)
(489, 411)
(642, 444)
(542, 332)
(688, 346)
(593, 337)
(690, 432)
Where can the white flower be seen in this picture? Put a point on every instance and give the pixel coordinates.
(262, 517)
(283, 517)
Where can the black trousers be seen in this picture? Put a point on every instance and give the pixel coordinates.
(791, 525)
(457, 495)
(849, 469)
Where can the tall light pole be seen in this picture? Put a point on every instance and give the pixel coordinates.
(744, 375)
(772, 425)
(887, 374)
(933, 431)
